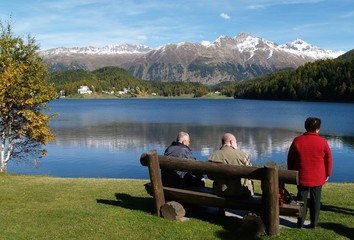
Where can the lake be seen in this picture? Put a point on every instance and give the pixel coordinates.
(104, 138)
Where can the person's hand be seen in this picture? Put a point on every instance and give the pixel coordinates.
(327, 178)
(248, 161)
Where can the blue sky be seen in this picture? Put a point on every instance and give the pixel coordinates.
(328, 24)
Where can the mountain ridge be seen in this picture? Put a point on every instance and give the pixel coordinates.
(298, 45)
(225, 59)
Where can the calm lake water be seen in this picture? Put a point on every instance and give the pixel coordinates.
(104, 138)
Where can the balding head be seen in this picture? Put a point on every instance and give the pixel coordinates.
(183, 138)
(229, 139)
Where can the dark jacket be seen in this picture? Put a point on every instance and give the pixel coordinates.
(180, 179)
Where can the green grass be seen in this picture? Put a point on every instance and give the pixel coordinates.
(36, 207)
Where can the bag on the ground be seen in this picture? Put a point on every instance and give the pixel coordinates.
(284, 195)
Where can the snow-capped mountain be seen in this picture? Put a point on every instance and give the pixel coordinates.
(226, 59)
(303, 48)
(245, 42)
(106, 50)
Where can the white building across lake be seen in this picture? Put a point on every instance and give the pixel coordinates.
(84, 90)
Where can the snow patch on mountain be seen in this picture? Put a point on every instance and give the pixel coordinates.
(250, 44)
(205, 43)
(302, 48)
(245, 43)
(106, 50)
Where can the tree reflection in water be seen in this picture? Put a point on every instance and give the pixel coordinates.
(262, 144)
(105, 137)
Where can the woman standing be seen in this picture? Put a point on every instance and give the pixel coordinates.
(311, 156)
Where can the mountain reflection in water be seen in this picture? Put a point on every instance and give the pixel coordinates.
(105, 138)
(204, 139)
(262, 144)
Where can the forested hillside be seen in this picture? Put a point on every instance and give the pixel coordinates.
(323, 80)
(347, 55)
(111, 80)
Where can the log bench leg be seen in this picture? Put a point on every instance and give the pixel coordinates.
(173, 211)
(253, 226)
(270, 191)
(155, 178)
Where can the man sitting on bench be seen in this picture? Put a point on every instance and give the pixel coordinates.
(229, 154)
(180, 179)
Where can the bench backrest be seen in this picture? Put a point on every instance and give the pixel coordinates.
(220, 170)
(269, 175)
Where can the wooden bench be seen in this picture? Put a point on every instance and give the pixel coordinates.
(267, 205)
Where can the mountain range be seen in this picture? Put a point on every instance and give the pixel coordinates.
(226, 59)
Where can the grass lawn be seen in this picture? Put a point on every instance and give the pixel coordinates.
(36, 207)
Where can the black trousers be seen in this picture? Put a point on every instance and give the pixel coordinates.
(315, 204)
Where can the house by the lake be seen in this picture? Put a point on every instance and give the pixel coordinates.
(84, 90)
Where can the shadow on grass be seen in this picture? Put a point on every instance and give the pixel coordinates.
(330, 208)
(231, 225)
(145, 204)
(339, 229)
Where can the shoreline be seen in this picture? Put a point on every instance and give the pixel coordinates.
(184, 96)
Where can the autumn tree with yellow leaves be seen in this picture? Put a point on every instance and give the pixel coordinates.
(24, 94)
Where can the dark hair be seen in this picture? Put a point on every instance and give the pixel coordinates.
(312, 123)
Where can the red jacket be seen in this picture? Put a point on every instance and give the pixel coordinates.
(312, 157)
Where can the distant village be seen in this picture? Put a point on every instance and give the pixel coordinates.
(86, 90)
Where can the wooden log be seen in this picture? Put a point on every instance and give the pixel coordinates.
(295, 210)
(191, 197)
(270, 186)
(252, 227)
(218, 170)
(172, 210)
(155, 178)
(201, 167)
(288, 176)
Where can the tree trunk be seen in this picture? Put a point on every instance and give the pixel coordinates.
(3, 167)
(5, 152)
(2, 153)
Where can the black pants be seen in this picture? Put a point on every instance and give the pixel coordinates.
(171, 179)
(315, 204)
